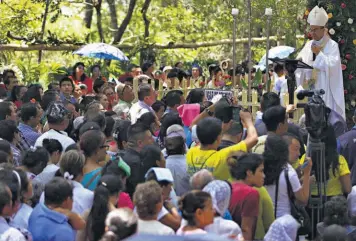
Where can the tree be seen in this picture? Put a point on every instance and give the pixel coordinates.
(342, 29)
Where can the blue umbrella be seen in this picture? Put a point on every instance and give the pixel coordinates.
(276, 52)
(101, 51)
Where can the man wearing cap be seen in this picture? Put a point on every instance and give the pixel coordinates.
(347, 148)
(58, 121)
(322, 53)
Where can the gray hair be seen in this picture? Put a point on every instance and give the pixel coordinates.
(200, 179)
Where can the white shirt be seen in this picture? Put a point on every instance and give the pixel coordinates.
(137, 110)
(351, 200)
(153, 227)
(283, 205)
(8, 233)
(20, 220)
(82, 198)
(61, 136)
(47, 174)
(223, 227)
(177, 164)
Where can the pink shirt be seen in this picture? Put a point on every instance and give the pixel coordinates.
(125, 201)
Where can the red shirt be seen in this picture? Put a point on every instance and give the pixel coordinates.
(125, 201)
(87, 81)
(244, 202)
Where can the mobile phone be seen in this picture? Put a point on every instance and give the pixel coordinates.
(236, 113)
(305, 164)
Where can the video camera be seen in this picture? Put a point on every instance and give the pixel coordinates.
(316, 112)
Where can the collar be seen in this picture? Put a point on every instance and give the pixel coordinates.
(53, 215)
(144, 105)
(321, 41)
(354, 128)
(25, 126)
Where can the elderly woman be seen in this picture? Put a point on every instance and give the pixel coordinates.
(284, 228)
(220, 192)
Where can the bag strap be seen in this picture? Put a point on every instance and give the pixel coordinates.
(276, 198)
(92, 179)
(289, 186)
(202, 165)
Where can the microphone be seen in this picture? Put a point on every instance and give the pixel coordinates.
(309, 93)
(314, 55)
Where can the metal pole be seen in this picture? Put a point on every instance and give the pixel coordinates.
(249, 50)
(267, 50)
(234, 53)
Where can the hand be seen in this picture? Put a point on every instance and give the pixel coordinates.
(308, 168)
(290, 108)
(316, 49)
(246, 117)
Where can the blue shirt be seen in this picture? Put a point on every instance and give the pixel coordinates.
(65, 99)
(29, 133)
(48, 225)
(89, 181)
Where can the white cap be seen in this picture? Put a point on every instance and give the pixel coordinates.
(167, 68)
(318, 17)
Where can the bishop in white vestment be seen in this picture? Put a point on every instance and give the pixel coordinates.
(322, 53)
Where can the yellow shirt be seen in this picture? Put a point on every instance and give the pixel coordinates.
(212, 160)
(265, 214)
(333, 187)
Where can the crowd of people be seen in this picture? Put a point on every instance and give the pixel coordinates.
(83, 160)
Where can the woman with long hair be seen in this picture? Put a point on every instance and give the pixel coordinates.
(94, 147)
(34, 93)
(17, 93)
(105, 199)
(79, 76)
(277, 170)
(338, 174)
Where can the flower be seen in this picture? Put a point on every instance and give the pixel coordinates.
(228, 83)
(33, 101)
(350, 21)
(351, 76)
(354, 41)
(260, 86)
(330, 15)
(343, 5)
(343, 67)
(306, 12)
(338, 24)
(348, 56)
(332, 31)
(342, 41)
(345, 92)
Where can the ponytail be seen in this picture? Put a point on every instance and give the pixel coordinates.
(108, 186)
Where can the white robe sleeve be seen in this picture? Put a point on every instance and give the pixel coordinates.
(324, 62)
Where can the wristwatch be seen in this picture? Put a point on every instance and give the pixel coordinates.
(210, 113)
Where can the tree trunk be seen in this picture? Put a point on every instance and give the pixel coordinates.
(88, 13)
(144, 9)
(113, 17)
(125, 22)
(98, 20)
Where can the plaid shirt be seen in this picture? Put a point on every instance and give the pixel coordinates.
(28, 135)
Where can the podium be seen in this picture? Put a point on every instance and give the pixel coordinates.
(291, 65)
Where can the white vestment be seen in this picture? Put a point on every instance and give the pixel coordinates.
(329, 75)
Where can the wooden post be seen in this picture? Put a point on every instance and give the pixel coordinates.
(135, 88)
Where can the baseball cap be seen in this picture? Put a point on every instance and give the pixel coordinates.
(175, 130)
(56, 112)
